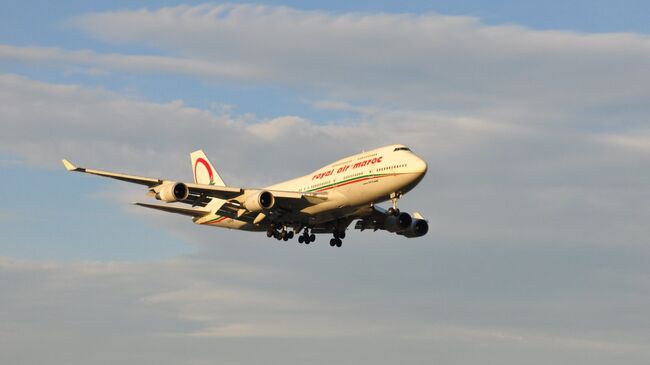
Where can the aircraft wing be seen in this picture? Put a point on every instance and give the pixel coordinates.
(200, 194)
(148, 181)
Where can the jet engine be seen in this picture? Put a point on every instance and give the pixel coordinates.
(397, 223)
(171, 192)
(419, 227)
(261, 200)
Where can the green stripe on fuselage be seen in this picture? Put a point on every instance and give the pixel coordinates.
(345, 181)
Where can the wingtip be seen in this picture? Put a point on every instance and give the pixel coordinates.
(68, 165)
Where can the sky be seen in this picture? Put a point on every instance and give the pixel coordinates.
(532, 116)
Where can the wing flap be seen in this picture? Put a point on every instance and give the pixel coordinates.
(197, 213)
(221, 192)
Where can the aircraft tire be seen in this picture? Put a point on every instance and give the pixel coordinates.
(333, 242)
(312, 237)
(301, 239)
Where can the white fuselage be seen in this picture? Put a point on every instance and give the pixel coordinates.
(352, 185)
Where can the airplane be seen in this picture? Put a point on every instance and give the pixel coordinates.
(327, 200)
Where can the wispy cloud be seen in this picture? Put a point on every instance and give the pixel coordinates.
(185, 300)
(102, 63)
(421, 61)
(425, 61)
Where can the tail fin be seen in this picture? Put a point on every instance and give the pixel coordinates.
(204, 172)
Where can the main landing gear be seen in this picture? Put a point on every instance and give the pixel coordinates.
(306, 237)
(281, 234)
(337, 240)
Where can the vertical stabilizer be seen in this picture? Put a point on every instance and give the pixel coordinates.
(204, 172)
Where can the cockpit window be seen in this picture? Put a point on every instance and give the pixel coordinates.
(401, 149)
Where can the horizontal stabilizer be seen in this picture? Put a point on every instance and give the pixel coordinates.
(178, 210)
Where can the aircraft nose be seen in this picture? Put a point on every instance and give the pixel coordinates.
(420, 166)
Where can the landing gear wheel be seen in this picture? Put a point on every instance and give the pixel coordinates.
(290, 235)
(394, 197)
(301, 239)
(269, 234)
(312, 238)
(333, 242)
(339, 243)
(342, 235)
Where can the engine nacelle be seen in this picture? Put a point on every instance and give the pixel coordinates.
(398, 223)
(259, 201)
(172, 192)
(418, 228)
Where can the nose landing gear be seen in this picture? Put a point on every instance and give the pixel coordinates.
(393, 198)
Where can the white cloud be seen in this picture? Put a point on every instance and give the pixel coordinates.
(278, 127)
(635, 140)
(421, 61)
(101, 63)
(208, 304)
(343, 106)
(430, 62)
(46, 122)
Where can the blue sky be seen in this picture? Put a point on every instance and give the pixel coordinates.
(532, 117)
